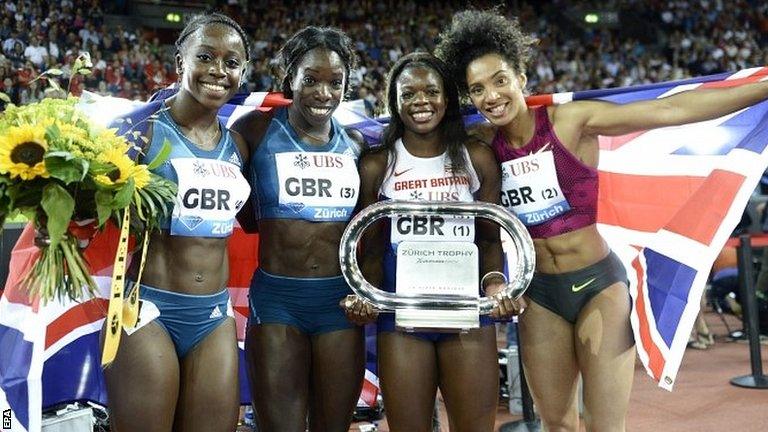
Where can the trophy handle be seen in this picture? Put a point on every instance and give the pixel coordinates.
(520, 274)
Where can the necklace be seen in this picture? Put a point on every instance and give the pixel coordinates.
(208, 141)
(314, 137)
(205, 144)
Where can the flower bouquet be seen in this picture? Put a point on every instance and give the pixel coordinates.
(69, 176)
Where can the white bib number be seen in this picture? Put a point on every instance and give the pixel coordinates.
(211, 192)
(319, 186)
(432, 228)
(530, 188)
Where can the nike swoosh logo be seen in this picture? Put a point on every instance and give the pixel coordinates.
(398, 174)
(577, 288)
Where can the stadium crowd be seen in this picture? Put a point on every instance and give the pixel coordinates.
(647, 41)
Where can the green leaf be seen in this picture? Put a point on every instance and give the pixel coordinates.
(98, 167)
(137, 204)
(161, 204)
(162, 155)
(53, 71)
(58, 205)
(84, 71)
(65, 167)
(27, 196)
(52, 133)
(5, 98)
(103, 205)
(124, 195)
(54, 85)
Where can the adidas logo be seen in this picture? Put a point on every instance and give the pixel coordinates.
(216, 313)
(233, 159)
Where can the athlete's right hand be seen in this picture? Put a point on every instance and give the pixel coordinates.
(358, 311)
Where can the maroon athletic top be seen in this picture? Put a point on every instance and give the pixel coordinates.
(549, 200)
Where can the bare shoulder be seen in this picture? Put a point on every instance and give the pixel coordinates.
(479, 151)
(483, 132)
(373, 162)
(252, 126)
(356, 136)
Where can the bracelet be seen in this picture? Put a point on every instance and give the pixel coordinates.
(489, 274)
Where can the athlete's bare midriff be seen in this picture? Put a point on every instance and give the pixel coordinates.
(299, 248)
(570, 251)
(187, 265)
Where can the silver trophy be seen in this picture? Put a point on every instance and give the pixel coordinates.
(437, 282)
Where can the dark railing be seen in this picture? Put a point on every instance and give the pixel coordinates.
(756, 379)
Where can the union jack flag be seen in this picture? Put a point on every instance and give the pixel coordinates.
(669, 199)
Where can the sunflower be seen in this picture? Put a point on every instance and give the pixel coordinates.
(140, 175)
(22, 149)
(125, 168)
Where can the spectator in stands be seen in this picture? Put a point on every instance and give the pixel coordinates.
(714, 36)
(49, 42)
(31, 93)
(36, 53)
(10, 43)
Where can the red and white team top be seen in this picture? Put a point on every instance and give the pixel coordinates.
(415, 178)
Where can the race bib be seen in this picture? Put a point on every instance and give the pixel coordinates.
(319, 186)
(432, 228)
(530, 189)
(211, 192)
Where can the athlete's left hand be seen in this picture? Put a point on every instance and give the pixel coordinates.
(358, 311)
(505, 306)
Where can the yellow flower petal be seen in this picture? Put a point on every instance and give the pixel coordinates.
(21, 151)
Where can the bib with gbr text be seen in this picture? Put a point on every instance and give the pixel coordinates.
(530, 189)
(321, 187)
(429, 179)
(211, 192)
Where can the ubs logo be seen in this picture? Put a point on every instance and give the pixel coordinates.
(301, 161)
(200, 170)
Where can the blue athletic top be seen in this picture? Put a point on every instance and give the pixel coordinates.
(296, 180)
(211, 186)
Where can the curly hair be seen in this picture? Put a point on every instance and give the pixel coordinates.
(204, 20)
(475, 33)
(451, 127)
(309, 38)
